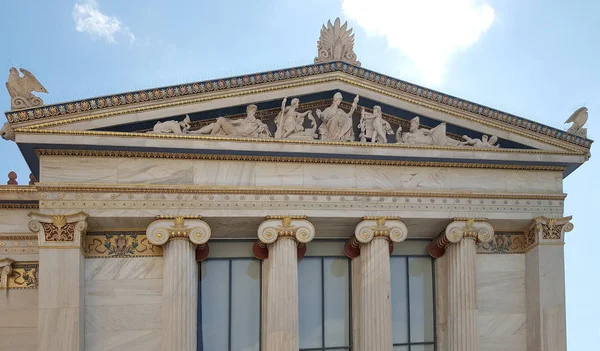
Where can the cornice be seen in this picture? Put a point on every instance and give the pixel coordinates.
(210, 90)
(577, 152)
(291, 159)
(221, 190)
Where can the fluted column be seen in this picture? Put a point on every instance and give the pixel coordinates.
(459, 242)
(179, 237)
(281, 242)
(372, 244)
(61, 288)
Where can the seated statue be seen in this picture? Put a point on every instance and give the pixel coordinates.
(373, 127)
(483, 142)
(290, 123)
(337, 124)
(249, 127)
(174, 127)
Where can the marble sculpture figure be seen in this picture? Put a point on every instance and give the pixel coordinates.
(248, 127)
(290, 122)
(20, 88)
(373, 127)
(174, 127)
(336, 123)
(483, 142)
(578, 118)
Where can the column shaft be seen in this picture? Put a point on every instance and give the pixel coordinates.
(281, 317)
(462, 299)
(375, 291)
(180, 296)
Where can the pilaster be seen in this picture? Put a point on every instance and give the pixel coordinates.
(459, 242)
(545, 283)
(281, 244)
(61, 290)
(370, 250)
(179, 237)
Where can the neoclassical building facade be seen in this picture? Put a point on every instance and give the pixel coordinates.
(321, 207)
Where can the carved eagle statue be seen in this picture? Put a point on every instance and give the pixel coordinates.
(578, 118)
(20, 88)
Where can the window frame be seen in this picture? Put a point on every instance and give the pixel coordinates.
(230, 259)
(407, 256)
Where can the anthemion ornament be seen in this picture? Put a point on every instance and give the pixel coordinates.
(336, 43)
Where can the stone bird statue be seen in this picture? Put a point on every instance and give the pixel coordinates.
(578, 118)
(20, 88)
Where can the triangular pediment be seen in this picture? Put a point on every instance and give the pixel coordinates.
(134, 115)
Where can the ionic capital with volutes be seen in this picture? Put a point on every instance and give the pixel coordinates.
(59, 231)
(545, 230)
(285, 227)
(388, 228)
(461, 229)
(191, 229)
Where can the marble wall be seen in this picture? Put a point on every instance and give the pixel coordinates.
(501, 298)
(18, 320)
(297, 175)
(123, 304)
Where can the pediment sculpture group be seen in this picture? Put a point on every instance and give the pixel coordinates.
(335, 125)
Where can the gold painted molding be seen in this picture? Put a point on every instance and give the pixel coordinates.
(290, 141)
(290, 159)
(195, 189)
(19, 206)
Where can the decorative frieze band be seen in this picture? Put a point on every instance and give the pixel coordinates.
(478, 230)
(19, 275)
(119, 244)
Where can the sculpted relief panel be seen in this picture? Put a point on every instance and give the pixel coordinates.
(334, 124)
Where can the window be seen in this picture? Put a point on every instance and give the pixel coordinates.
(324, 301)
(229, 300)
(412, 301)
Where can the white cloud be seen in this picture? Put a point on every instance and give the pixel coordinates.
(89, 19)
(428, 32)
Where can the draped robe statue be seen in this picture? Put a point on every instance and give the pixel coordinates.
(336, 124)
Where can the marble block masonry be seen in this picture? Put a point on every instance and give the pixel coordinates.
(350, 210)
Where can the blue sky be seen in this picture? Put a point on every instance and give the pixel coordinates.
(536, 59)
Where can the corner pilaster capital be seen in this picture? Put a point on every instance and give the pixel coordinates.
(5, 271)
(164, 229)
(478, 230)
(544, 230)
(296, 228)
(370, 228)
(58, 230)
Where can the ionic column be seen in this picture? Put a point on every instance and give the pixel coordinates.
(281, 244)
(459, 241)
(179, 237)
(372, 241)
(61, 286)
(545, 283)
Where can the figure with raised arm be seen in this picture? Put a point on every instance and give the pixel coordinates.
(372, 126)
(336, 123)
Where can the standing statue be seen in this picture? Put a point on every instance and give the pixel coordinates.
(373, 127)
(336, 43)
(483, 142)
(248, 127)
(336, 124)
(20, 88)
(290, 123)
(173, 127)
(578, 118)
